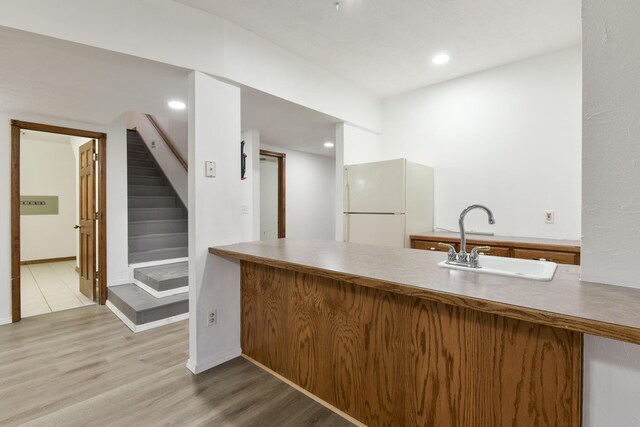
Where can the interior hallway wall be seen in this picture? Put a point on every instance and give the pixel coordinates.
(214, 220)
(268, 198)
(250, 187)
(611, 198)
(310, 194)
(48, 169)
(509, 138)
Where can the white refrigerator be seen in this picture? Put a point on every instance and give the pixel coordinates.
(385, 202)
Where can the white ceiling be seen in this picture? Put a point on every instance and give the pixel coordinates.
(283, 123)
(42, 75)
(386, 46)
(51, 77)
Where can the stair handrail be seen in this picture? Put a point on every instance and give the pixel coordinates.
(167, 141)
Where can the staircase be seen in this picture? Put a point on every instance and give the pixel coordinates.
(157, 217)
(158, 294)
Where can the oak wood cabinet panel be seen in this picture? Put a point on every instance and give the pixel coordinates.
(431, 246)
(559, 257)
(559, 251)
(494, 251)
(393, 360)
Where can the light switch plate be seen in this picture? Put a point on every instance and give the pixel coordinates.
(210, 169)
(245, 209)
(549, 217)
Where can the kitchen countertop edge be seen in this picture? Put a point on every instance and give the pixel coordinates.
(597, 325)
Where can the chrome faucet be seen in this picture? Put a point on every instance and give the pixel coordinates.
(462, 257)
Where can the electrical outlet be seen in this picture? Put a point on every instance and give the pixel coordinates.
(213, 317)
(549, 217)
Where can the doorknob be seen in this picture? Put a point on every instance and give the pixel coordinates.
(76, 226)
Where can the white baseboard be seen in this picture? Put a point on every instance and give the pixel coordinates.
(6, 320)
(146, 326)
(118, 283)
(217, 360)
(160, 294)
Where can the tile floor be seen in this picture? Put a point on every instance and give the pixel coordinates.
(50, 287)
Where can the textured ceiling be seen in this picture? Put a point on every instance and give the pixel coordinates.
(43, 75)
(386, 46)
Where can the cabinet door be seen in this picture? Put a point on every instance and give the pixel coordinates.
(494, 251)
(431, 246)
(558, 257)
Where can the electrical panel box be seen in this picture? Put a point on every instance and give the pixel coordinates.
(38, 205)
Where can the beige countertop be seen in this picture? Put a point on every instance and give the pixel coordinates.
(524, 242)
(564, 302)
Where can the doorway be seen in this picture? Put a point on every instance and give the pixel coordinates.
(69, 271)
(272, 195)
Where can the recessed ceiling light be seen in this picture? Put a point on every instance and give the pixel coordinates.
(329, 144)
(177, 105)
(440, 59)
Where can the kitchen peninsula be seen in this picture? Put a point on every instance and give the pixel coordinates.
(390, 338)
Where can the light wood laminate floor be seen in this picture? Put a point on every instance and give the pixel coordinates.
(83, 367)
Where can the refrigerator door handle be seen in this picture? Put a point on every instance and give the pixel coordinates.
(347, 194)
(346, 228)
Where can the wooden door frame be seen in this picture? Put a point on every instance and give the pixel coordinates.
(282, 190)
(101, 176)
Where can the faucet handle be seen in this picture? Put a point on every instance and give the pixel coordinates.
(474, 256)
(477, 249)
(451, 255)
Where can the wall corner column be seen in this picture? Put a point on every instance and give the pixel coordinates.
(214, 219)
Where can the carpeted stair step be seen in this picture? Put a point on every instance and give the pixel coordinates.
(144, 163)
(150, 242)
(150, 190)
(137, 228)
(158, 254)
(143, 214)
(138, 155)
(145, 180)
(153, 202)
(142, 308)
(166, 277)
(143, 171)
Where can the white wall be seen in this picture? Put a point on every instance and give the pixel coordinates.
(177, 131)
(195, 40)
(611, 202)
(250, 187)
(508, 138)
(360, 146)
(170, 165)
(214, 219)
(310, 194)
(268, 198)
(118, 267)
(48, 169)
(611, 153)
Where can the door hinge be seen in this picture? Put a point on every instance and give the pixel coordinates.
(95, 157)
(96, 216)
(97, 275)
